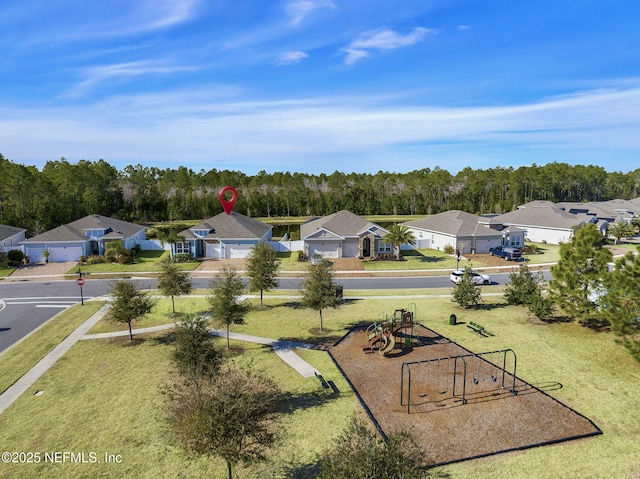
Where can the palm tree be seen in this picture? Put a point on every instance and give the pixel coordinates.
(620, 229)
(398, 235)
(169, 235)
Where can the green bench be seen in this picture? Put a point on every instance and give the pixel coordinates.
(476, 328)
(322, 381)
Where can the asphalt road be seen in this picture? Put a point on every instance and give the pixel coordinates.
(26, 305)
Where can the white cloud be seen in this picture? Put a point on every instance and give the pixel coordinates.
(348, 134)
(95, 75)
(289, 58)
(382, 40)
(299, 10)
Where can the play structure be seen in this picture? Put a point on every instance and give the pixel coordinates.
(383, 336)
(456, 377)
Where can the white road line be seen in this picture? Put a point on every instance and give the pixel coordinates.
(44, 302)
(54, 305)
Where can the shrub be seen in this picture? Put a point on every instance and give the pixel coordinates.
(183, 258)
(448, 249)
(83, 259)
(15, 255)
(94, 259)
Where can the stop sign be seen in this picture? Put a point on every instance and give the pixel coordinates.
(79, 281)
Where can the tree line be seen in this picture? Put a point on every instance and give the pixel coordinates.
(61, 192)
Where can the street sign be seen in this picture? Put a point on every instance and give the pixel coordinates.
(79, 281)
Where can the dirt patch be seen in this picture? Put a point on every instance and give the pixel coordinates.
(455, 415)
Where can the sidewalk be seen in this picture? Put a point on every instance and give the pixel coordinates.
(25, 382)
(282, 348)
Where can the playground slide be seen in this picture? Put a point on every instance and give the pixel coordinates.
(391, 343)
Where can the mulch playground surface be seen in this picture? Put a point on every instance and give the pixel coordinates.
(490, 420)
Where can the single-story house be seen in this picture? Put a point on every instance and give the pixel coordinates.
(84, 237)
(343, 235)
(610, 211)
(545, 222)
(463, 231)
(11, 237)
(223, 236)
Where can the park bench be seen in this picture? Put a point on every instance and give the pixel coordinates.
(322, 381)
(476, 328)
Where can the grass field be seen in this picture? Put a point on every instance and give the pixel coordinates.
(19, 359)
(145, 261)
(104, 396)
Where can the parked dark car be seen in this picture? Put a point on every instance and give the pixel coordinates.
(507, 252)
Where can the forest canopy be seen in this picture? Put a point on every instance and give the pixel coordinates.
(62, 191)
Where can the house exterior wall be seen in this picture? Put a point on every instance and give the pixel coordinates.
(59, 251)
(547, 235)
(12, 242)
(438, 240)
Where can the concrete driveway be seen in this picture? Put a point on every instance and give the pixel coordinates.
(40, 269)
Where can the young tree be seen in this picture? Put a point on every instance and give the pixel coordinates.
(523, 286)
(195, 353)
(540, 306)
(230, 415)
(583, 263)
(466, 293)
(129, 303)
(362, 453)
(620, 229)
(173, 282)
(621, 302)
(226, 307)
(398, 235)
(318, 289)
(262, 268)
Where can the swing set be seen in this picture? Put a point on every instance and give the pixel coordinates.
(431, 376)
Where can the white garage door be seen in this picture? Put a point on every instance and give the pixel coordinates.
(237, 250)
(483, 246)
(61, 255)
(212, 250)
(36, 255)
(350, 250)
(324, 250)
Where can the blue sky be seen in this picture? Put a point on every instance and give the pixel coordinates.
(321, 85)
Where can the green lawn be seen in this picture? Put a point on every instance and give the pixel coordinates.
(547, 253)
(22, 357)
(145, 261)
(106, 396)
(5, 270)
(420, 259)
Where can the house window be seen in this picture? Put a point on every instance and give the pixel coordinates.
(385, 247)
(201, 233)
(182, 248)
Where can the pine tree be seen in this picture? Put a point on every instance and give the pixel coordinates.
(226, 307)
(262, 268)
(620, 304)
(583, 263)
(523, 286)
(129, 303)
(466, 293)
(173, 282)
(319, 291)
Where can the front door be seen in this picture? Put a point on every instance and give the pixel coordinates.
(366, 247)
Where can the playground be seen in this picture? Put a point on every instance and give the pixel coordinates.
(459, 404)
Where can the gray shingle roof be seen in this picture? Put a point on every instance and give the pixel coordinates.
(542, 214)
(343, 223)
(6, 231)
(75, 231)
(235, 226)
(454, 223)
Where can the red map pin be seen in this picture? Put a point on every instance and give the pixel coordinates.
(228, 204)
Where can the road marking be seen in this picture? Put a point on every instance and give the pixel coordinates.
(2, 304)
(54, 305)
(44, 302)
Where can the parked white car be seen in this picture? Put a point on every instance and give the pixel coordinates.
(478, 278)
